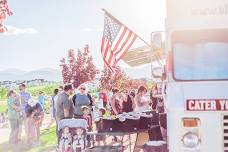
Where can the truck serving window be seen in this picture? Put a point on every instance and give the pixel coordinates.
(200, 55)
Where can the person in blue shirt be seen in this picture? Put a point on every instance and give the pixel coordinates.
(24, 95)
(23, 99)
(41, 98)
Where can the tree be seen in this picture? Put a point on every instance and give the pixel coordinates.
(80, 69)
(110, 79)
(65, 70)
(4, 11)
(135, 83)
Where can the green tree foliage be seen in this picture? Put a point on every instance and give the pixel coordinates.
(47, 89)
(3, 93)
(110, 79)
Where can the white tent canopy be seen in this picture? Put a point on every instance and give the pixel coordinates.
(143, 55)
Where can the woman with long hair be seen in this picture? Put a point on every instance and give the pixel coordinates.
(128, 101)
(116, 107)
(141, 101)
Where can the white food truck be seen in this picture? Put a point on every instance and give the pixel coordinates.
(196, 46)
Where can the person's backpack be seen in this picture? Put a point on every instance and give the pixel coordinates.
(90, 99)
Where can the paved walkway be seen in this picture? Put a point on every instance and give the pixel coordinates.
(4, 132)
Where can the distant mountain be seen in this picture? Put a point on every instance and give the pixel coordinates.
(13, 71)
(50, 74)
(17, 74)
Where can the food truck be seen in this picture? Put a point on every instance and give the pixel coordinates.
(196, 94)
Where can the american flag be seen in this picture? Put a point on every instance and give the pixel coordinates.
(116, 41)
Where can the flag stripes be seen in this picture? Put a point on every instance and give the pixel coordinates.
(116, 41)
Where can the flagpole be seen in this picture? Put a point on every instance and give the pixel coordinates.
(125, 26)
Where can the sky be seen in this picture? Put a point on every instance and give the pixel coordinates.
(41, 31)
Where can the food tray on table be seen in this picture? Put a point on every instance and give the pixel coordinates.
(105, 149)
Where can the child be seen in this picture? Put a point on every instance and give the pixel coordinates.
(101, 112)
(99, 138)
(41, 98)
(66, 140)
(78, 140)
(87, 117)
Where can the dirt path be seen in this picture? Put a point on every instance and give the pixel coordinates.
(5, 131)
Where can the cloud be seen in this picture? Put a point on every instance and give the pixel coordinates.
(11, 30)
(89, 29)
(99, 29)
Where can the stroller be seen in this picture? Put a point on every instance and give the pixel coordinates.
(72, 135)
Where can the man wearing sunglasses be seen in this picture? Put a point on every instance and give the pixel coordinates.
(80, 99)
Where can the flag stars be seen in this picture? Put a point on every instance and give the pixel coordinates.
(111, 29)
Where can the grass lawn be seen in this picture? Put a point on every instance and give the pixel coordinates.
(3, 107)
(47, 139)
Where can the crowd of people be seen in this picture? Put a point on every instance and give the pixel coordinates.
(66, 103)
(135, 100)
(23, 110)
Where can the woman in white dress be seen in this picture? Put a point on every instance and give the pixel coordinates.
(142, 103)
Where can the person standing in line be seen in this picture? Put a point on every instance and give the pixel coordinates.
(64, 106)
(24, 97)
(13, 115)
(80, 99)
(104, 98)
(140, 100)
(53, 101)
(41, 98)
(116, 105)
(34, 114)
(60, 89)
(132, 96)
(154, 100)
(52, 108)
(128, 103)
